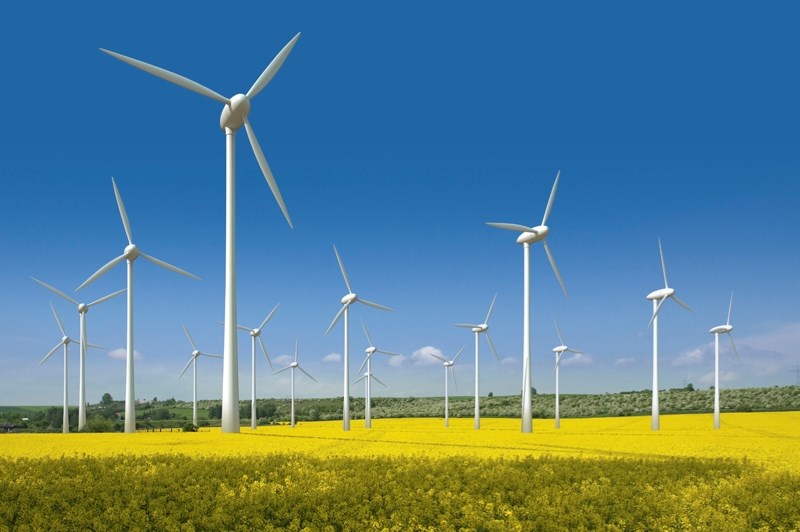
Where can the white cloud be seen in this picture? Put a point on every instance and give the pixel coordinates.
(283, 360)
(508, 361)
(333, 357)
(122, 354)
(397, 361)
(422, 356)
(577, 358)
(624, 361)
(692, 356)
(725, 376)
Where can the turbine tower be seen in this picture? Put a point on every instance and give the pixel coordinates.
(559, 351)
(716, 331)
(295, 365)
(130, 254)
(371, 350)
(234, 115)
(193, 361)
(367, 377)
(478, 329)
(83, 308)
(256, 333)
(348, 300)
(448, 364)
(658, 297)
(531, 235)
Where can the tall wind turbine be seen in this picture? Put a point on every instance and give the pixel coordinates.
(193, 361)
(448, 364)
(531, 235)
(559, 351)
(83, 308)
(367, 377)
(371, 350)
(348, 300)
(658, 297)
(295, 365)
(478, 329)
(130, 254)
(716, 331)
(234, 115)
(256, 333)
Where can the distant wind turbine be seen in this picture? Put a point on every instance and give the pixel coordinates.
(234, 115)
(256, 333)
(295, 365)
(83, 308)
(559, 351)
(448, 365)
(531, 235)
(716, 331)
(193, 361)
(348, 300)
(130, 254)
(658, 297)
(367, 377)
(478, 329)
(371, 350)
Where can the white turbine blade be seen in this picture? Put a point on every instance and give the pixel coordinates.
(307, 374)
(262, 162)
(390, 353)
(434, 355)
(730, 308)
(335, 319)
(269, 317)
(491, 344)
(374, 305)
(341, 267)
(58, 320)
(357, 381)
(366, 332)
(558, 361)
(512, 227)
(550, 201)
(574, 351)
(558, 332)
(110, 264)
(282, 370)
(453, 374)
(186, 367)
(240, 327)
(95, 346)
(55, 291)
(465, 325)
(378, 381)
(733, 345)
(106, 298)
(264, 350)
(361, 367)
(50, 353)
(491, 308)
(210, 355)
(296, 348)
(681, 303)
(555, 268)
(186, 83)
(458, 354)
(271, 69)
(658, 309)
(189, 337)
(123, 214)
(663, 263)
(168, 266)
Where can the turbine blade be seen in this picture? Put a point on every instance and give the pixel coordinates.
(558, 361)
(378, 381)
(663, 263)
(733, 345)
(55, 291)
(730, 308)
(458, 354)
(575, 351)
(681, 303)
(361, 367)
(262, 162)
(374, 305)
(110, 264)
(555, 268)
(357, 381)
(390, 353)
(434, 355)
(210, 355)
(550, 201)
(335, 319)
(341, 267)
(491, 308)
(269, 317)
(58, 320)
(307, 374)
(271, 69)
(465, 325)
(50, 353)
(658, 309)
(296, 348)
(282, 370)
(366, 332)
(106, 298)
(186, 83)
(558, 332)
(123, 214)
(168, 266)
(264, 350)
(189, 337)
(491, 344)
(512, 227)
(240, 327)
(453, 374)
(95, 346)
(186, 366)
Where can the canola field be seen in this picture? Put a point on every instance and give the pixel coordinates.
(413, 474)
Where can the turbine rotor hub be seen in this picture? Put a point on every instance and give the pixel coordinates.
(293, 365)
(371, 350)
(349, 298)
(66, 339)
(661, 293)
(537, 233)
(720, 329)
(195, 353)
(131, 252)
(233, 114)
(255, 333)
(559, 349)
(482, 328)
(83, 308)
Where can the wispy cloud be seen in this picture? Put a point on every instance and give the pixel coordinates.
(577, 358)
(283, 360)
(397, 361)
(625, 361)
(333, 357)
(693, 356)
(122, 354)
(508, 361)
(422, 356)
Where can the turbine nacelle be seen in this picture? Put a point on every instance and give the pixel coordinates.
(131, 252)
(661, 293)
(560, 349)
(66, 340)
(534, 235)
(195, 353)
(234, 113)
(349, 298)
(83, 308)
(720, 329)
(482, 328)
(293, 365)
(370, 350)
(255, 333)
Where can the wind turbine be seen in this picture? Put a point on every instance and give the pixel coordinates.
(295, 365)
(234, 115)
(348, 300)
(371, 350)
(531, 235)
(448, 364)
(193, 361)
(559, 351)
(716, 331)
(478, 329)
(256, 333)
(130, 254)
(83, 308)
(658, 297)
(367, 377)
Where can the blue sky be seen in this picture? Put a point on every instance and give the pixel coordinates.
(395, 131)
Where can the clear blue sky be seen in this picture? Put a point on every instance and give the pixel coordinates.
(395, 131)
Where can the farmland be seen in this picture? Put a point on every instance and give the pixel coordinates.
(414, 474)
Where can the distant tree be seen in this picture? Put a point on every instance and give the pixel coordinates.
(215, 411)
(107, 399)
(689, 387)
(490, 394)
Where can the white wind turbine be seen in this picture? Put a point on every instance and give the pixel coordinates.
(256, 333)
(716, 331)
(83, 308)
(658, 297)
(130, 254)
(367, 377)
(531, 235)
(559, 351)
(348, 300)
(193, 361)
(234, 115)
(448, 364)
(295, 365)
(371, 350)
(478, 329)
